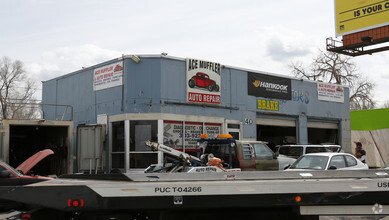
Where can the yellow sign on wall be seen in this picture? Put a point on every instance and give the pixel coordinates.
(268, 104)
(358, 15)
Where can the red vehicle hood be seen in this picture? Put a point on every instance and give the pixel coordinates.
(33, 160)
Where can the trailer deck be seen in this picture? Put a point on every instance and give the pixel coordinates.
(303, 193)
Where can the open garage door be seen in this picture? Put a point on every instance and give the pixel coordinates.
(276, 131)
(26, 140)
(323, 132)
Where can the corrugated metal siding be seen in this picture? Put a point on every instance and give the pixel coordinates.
(156, 80)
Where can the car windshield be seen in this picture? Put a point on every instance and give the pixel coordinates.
(10, 168)
(310, 162)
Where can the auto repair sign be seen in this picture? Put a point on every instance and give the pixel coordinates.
(108, 76)
(202, 81)
(330, 92)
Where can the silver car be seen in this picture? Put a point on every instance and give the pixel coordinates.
(327, 161)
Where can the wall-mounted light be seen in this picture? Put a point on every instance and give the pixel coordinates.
(135, 58)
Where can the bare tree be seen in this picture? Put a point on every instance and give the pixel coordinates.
(386, 104)
(338, 69)
(16, 90)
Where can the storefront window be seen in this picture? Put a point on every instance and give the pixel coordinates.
(118, 145)
(175, 135)
(142, 160)
(141, 155)
(181, 137)
(172, 134)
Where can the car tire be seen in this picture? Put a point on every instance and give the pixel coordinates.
(217, 88)
(210, 88)
(192, 83)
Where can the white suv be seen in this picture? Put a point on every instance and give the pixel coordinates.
(297, 150)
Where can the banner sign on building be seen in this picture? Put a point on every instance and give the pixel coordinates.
(108, 76)
(354, 16)
(330, 92)
(266, 86)
(202, 81)
(265, 104)
(173, 133)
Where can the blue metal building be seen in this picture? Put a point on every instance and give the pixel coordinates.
(172, 100)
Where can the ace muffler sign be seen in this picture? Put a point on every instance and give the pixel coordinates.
(266, 86)
(202, 81)
(108, 76)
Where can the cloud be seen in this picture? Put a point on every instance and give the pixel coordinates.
(282, 44)
(68, 59)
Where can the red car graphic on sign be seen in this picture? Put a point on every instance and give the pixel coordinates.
(202, 80)
(118, 68)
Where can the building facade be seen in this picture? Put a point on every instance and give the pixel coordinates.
(173, 100)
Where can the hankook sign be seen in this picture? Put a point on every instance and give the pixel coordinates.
(267, 86)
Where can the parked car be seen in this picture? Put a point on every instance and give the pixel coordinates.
(266, 159)
(327, 161)
(202, 80)
(295, 151)
(10, 176)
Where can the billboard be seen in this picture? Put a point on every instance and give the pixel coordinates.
(353, 16)
(202, 82)
(267, 86)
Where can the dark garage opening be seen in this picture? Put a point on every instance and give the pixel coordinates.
(323, 136)
(276, 135)
(25, 141)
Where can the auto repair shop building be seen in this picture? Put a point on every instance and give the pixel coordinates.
(173, 100)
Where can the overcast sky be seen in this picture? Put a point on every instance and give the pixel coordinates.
(55, 37)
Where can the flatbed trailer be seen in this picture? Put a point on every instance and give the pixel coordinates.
(236, 195)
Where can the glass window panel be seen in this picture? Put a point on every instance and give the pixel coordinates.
(142, 160)
(118, 136)
(262, 151)
(338, 162)
(350, 161)
(142, 131)
(118, 161)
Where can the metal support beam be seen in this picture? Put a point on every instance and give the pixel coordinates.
(127, 146)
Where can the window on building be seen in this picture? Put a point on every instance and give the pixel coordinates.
(118, 145)
(141, 155)
(181, 137)
(234, 130)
